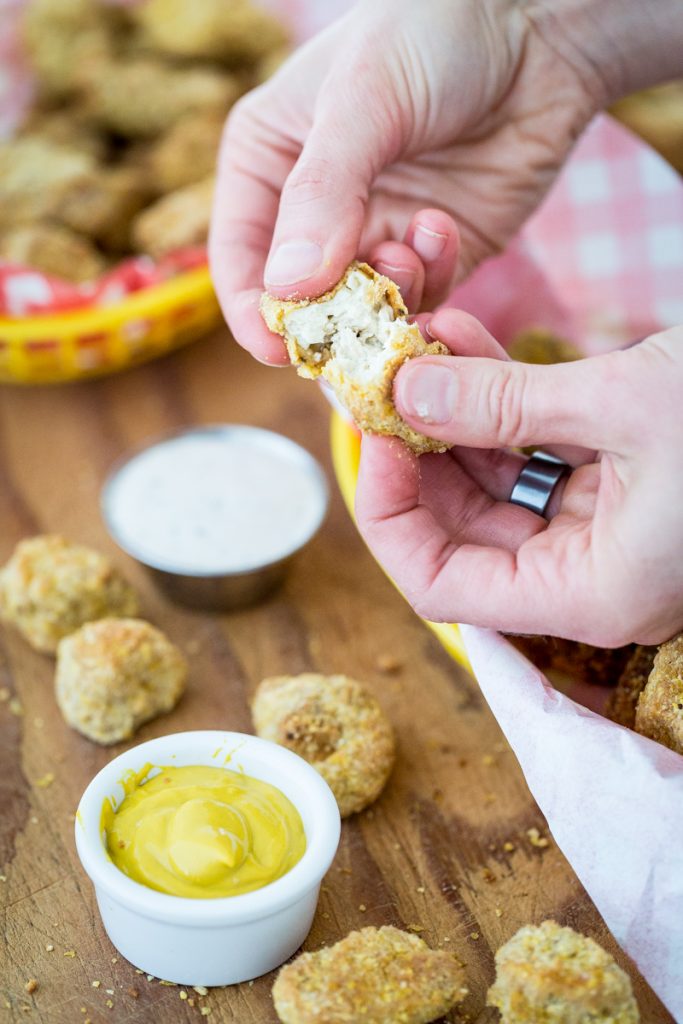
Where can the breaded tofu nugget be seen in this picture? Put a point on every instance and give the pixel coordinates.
(177, 220)
(50, 587)
(115, 674)
(553, 975)
(659, 714)
(66, 126)
(373, 976)
(141, 97)
(185, 154)
(336, 725)
(623, 699)
(52, 249)
(356, 337)
(581, 662)
(64, 40)
(33, 173)
(233, 31)
(102, 204)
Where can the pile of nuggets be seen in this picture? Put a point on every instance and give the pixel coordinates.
(117, 154)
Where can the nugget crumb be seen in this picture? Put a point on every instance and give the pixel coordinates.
(536, 839)
(31, 985)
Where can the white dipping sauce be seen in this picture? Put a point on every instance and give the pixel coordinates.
(216, 500)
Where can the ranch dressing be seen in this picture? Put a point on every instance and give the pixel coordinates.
(216, 500)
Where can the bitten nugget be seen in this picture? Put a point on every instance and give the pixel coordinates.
(375, 975)
(553, 975)
(356, 337)
(186, 154)
(115, 674)
(141, 97)
(336, 725)
(54, 250)
(236, 32)
(50, 587)
(177, 220)
(659, 714)
(623, 699)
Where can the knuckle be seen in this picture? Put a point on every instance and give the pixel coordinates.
(311, 180)
(505, 404)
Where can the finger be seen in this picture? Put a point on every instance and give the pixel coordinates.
(487, 403)
(404, 267)
(323, 202)
(250, 169)
(434, 236)
(464, 335)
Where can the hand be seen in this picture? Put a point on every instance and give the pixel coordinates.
(469, 106)
(607, 568)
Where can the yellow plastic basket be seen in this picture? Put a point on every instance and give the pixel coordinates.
(85, 343)
(345, 444)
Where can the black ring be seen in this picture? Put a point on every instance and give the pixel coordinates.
(537, 481)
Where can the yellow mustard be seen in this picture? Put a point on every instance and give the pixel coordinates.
(203, 832)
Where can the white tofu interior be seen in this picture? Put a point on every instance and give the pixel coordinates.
(353, 328)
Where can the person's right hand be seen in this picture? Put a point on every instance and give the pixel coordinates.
(606, 568)
(466, 105)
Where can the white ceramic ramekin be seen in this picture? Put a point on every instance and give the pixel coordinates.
(213, 941)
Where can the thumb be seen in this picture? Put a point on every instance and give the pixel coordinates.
(488, 403)
(323, 201)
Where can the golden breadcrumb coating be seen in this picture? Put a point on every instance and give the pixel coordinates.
(116, 674)
(541, 346)
(356, 337)
(623, 699)
(582, 662)
(336, 725)
(50, 587)
(186, 153)
(373, 976)
(141, 96)
(102, 204)
(52, 249)
(236, 32)
(66, 126)
(554, 975)
(33, 172)
(65, 40)
(176, 220)
(659, 714)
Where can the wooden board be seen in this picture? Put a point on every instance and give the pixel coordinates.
(430, 854)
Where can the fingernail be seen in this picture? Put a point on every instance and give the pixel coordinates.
(427, 392)
(293, 262)
(428, 244)
(403, 277)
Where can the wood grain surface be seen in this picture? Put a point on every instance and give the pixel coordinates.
(444, 851)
